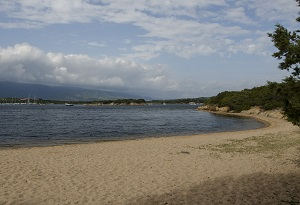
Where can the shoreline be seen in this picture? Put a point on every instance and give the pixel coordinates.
(66, 143)
(240, 167)
(256, 117)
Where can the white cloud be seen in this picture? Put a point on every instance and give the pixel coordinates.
(255, 46)
(49, 12)
(26, 63)
(96, 44)
(127, 41)
(183, 28)
(238, 15)
(127, 11)
(278, 10)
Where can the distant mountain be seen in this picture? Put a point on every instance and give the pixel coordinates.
(22, 90)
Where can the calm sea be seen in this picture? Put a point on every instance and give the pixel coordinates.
(41, 125)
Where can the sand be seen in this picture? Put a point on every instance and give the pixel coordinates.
(259, 166)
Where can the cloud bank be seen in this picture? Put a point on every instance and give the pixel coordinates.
(25, 63)
(29, 64)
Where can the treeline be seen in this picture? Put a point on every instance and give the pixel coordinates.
(180, 101)
(265, 96)
(44, 101)
(127, 101)
(118, 102)
(98, 102)
(105, 102)
(285, 95)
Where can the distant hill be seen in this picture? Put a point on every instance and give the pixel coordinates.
(22, 90)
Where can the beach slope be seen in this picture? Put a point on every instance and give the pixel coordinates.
(259, 166)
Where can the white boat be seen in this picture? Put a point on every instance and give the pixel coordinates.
(68, 104)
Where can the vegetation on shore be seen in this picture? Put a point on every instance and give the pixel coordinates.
(96, 102)
(104, 102)
(285, 95)
(266, 97)
(181, 101)
(288, 52)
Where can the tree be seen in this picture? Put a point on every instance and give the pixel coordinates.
(288, 45)
(290, 92)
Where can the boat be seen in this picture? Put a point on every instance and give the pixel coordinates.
(68, 104)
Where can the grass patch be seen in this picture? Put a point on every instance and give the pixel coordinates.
(275, 143)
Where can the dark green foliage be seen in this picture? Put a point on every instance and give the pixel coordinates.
(129, 101)
(105, 102)
(96, 102)
(290, 92)
(180, 101)
(285, 95)
(288, 45)
(266, 97)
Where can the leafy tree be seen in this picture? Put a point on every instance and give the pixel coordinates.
(288, 45)
(290, 91)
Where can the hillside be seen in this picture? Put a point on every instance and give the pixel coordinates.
(21, 90)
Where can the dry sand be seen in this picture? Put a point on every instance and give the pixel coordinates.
(247, 167)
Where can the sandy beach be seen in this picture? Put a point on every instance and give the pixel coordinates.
(259, 166)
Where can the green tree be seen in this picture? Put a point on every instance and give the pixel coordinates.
(290, 92)
(288, 45)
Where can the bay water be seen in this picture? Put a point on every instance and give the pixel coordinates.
(44, 125)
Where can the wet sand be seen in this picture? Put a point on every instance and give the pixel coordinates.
(259, 166)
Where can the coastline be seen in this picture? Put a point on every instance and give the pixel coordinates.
(128, 138)
(227, 167)
(264, 121)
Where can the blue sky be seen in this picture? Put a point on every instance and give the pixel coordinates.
(162, 49)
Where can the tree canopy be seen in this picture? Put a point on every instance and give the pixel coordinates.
(288, 45)
(266, 96)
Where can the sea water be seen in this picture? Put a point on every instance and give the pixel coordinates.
(39, 125)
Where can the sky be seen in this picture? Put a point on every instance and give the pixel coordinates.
(160, 49)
